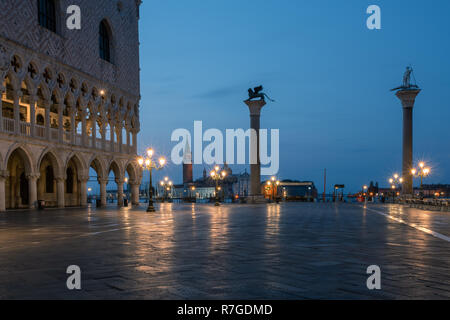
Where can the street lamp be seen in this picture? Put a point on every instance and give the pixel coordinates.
(422, 172)
(193, 194)
(147, 163)
(166, 185)
(365, 190)
(395, 182)
(273, 183)
(217, 176)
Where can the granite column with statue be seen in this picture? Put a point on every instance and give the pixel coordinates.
(255, 103)
(407, 94)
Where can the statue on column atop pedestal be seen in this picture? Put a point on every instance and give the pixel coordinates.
(255, 102)
(256, 93)
(407, 85)
(407, 94)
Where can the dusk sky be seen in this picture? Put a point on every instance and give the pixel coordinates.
(330, 76)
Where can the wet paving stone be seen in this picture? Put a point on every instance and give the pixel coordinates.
(184, 251)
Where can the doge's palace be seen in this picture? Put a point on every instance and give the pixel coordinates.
(69, 101)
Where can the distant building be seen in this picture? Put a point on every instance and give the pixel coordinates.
(241, 187)
(293, 190)
(434, 190)
(233, 186)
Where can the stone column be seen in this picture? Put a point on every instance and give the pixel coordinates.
(83, 129)
(119, 192)
(255, 166)
(17, 96)
(33, 100)
(407, 97)
(134, 193)
(94, 131)
(32, 190)
(120, 139)
(3, 176)
(134, 138)
(103, 134)
(128, 140)
(103, 183)
(60, 192)
(83, 191)
(60, 122)
(47, 120)
(2, 89)
(112, 128)
(73, 128)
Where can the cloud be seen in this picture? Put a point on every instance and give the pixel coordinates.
(220, 93)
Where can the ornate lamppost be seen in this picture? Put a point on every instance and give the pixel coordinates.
(422, 172)
(273, 183)
(217, 176)
(148, 164)
(166, 185)
(126, 188)
(365, 190)
(193, 194)
(395, 182)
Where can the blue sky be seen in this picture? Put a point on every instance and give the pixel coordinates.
(329, 74)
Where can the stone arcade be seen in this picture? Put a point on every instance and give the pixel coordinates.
(69, 101)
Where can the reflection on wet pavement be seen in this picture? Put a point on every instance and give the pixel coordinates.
(191, 251)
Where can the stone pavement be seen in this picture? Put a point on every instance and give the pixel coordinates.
(184, 251)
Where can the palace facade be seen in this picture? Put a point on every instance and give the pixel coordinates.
(69, 101)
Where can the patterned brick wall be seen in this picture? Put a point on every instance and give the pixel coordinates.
(80, 48)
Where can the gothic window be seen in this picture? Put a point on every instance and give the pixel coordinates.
(49, 179)
(104, 42)
(47, 14)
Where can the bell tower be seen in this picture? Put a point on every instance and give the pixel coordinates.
(187, 164)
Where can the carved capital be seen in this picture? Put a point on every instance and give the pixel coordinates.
(4, 174)
(32, 177)
(255, 106)
(103, 180)
(17, 94)
(60, 179)
(134, 183)
(46, 104)
(83, 178)
(120, 181)
(60, 107)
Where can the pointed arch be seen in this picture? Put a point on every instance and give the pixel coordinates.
(24, 154)
(19, 165)
(98, 165)
(74, 170)
(53, 158)
(132, 171)
(114, 166)
(78, 161)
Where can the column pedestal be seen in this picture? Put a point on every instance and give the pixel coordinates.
(408, 98)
